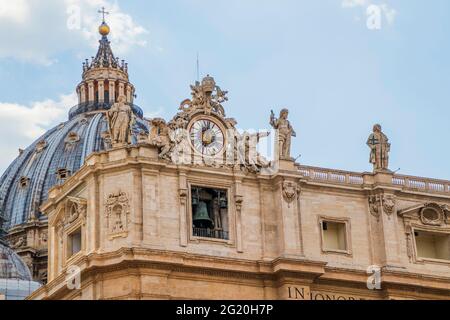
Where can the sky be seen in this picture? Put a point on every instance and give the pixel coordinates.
(340, 66)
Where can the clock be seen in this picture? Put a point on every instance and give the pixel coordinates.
(206, 137)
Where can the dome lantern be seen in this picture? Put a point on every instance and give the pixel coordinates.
(104, 78)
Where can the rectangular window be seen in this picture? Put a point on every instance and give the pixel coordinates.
(74, 243)
(432, 245)
(334, 235)
(210, 213)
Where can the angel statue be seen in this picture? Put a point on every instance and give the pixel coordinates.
(160, 137)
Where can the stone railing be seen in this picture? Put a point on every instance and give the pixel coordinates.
(357, 179)
(421, 184)
(332, 176)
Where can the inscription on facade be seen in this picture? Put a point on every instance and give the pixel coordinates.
(303, 293)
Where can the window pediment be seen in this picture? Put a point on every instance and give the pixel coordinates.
(431, 214)
(71, 211)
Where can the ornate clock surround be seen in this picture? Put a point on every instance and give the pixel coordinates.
(221, 126)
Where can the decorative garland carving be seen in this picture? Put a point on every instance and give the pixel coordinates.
(389, 203)
(374, 206)
(382, 203)
(432, 214)
(290, 191)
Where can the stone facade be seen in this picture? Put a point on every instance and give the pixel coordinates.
(191, 210)
(276, 247)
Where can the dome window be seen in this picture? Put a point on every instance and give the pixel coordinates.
(63, 174)
(41, 146)
(72, 138)
(24, 182)
(83, 121)
(71, 141)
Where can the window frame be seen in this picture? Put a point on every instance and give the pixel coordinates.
(348, 241)
(69, 243)
(435, 231)
(230, 214)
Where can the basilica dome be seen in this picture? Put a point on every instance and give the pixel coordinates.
(61, 151)
(11, 266)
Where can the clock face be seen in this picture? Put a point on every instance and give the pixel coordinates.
(207, 137)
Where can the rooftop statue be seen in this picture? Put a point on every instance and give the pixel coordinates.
(284, 134)
(380, 147)
(120, 119)
(206, 96)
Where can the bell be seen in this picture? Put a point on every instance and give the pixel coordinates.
(201, 217)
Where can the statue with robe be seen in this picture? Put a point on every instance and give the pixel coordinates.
(160, 137)
(380, 147)
(285, 133)
(120, 119)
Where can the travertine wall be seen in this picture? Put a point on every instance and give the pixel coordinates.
(275, 248)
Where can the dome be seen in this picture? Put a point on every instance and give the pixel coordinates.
(11, 266)
(61, 151)
(52, 158)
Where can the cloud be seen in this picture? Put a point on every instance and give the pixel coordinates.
(37, 31)
(125, 32)
(389, 13)
(16, 11)
(354, 3)
(25, 123)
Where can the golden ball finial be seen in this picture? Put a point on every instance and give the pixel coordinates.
(104, 29)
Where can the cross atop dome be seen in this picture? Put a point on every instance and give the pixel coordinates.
(103, 12)
(104, 29)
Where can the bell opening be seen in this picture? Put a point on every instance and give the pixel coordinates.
(210, 213)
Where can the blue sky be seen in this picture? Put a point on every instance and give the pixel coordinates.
(317, 58)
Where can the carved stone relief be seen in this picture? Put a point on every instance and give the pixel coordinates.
(75, 208)
(389, 205)
(382, 203)
(221, 143)
(290, 191)
(19, 243)
(432, 214)
(374, 206)
(118, 214)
